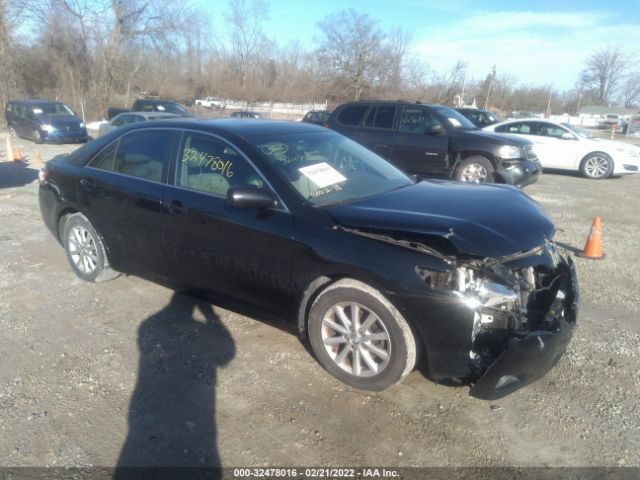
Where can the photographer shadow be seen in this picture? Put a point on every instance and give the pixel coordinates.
(172, 410)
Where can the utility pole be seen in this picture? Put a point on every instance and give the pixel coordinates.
(549, 102)
(491, 78)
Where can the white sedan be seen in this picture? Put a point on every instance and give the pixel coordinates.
(569, 148)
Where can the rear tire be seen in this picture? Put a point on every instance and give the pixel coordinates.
(475, 169)
(359, 337)
(85, 250)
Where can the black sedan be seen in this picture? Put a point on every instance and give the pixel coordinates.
(298, 222)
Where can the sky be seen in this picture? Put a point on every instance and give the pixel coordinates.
(538, 42)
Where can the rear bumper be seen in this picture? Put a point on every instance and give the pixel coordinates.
(521, 174)
(530, 355)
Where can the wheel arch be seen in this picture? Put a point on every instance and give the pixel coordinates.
(464, 154)
(322, 282)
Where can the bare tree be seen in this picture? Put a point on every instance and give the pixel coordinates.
(245, 21)
(350, 47)
(603, 72)
(631, 90)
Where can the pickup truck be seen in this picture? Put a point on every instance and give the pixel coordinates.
(152, 105)
(209, 102)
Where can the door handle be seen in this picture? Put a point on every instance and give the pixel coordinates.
(175, 207)
(88, 184)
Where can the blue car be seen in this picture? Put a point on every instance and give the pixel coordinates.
(44, 121)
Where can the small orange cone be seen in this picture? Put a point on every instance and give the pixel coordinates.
(17, 154)
(593, 247)
(37, 157)
(10, 156)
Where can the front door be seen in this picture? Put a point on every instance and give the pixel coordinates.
(241, 254)
(417, 150)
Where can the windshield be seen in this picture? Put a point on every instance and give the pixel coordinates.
(51, 110)
(580, 131)
(454, 119)
(327, 168)
(171, 107)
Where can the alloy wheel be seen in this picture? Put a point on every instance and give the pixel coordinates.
(83, 249)
(356, 339)
(596, 166)
(474, 173)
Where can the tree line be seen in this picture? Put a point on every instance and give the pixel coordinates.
(93, 54)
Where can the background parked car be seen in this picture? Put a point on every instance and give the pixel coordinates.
(480, 118)
(317, 117)
(210, 102)
(152, 105)
(245, 114)
(132, 117)
(427, 140)
(561, 147)
(44, 121)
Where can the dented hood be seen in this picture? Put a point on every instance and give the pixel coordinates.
(479, 220)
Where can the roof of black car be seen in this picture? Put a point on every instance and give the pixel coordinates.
(35, 101)
(241, 126)
(391, 102)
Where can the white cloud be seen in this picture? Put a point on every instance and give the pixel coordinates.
(539, 48)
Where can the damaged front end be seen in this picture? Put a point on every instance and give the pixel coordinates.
(524, 308)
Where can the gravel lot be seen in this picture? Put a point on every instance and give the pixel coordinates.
(128, 372)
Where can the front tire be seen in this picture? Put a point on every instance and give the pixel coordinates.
(596, 166)
(359, 337)
(85, 250)
(475, 169)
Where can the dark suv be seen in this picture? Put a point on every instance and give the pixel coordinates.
(44, 121)
(427, 140)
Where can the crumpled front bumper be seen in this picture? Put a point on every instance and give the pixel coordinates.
(530, 355)
(521, 174)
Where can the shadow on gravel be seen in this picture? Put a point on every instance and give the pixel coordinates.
(172, 410)
(16, 174)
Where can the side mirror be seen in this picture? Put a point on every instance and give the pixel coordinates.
(436, 129)
(568, 136)
(250, 196)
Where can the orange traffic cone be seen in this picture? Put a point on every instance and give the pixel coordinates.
(593, 247)
(17, 154)
(37, 157)
(10, 156)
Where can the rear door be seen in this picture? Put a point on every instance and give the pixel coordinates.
(240, 254)
(121, 191)
(416, 150)
(376, 132)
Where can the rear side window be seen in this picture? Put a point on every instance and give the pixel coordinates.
(138, 154)
(104, 159)
(381, 117)
(352, 115)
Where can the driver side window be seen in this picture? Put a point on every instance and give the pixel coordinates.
(210, 165)
(416, 119)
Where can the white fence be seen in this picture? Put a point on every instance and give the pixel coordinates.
(278, 108)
